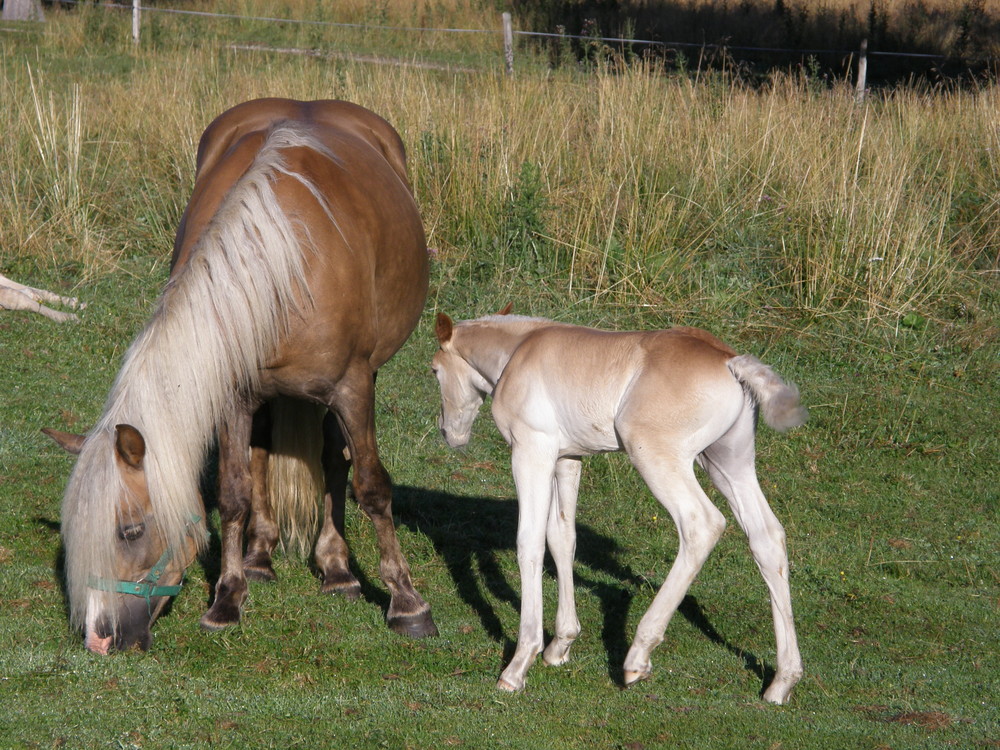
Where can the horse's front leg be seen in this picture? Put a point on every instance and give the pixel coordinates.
(235, 489)
(561, 538)
(534, 476)
(332, 554)
(354, 405)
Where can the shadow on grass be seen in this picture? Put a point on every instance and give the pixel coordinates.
(468, 532)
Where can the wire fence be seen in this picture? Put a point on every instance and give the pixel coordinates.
(508, 34)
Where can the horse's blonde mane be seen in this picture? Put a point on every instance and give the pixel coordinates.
(218, 321)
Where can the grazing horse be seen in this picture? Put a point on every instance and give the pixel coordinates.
(299, 268)
(667, 398)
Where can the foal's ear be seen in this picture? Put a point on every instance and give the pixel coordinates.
(506, 309)
(68, 441)
(130, 445)
(443, 328)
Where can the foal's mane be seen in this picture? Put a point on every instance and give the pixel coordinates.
(219, 319)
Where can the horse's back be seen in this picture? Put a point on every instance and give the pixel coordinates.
(261, 114)
(232, 140)
(338, 173)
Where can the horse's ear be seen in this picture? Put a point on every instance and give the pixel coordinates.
(443, 328)
(506, 309)
(67, 440)
(130, 445)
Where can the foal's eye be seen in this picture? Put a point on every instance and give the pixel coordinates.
(131, 533)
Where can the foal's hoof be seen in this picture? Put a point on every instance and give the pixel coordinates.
(419, 625)
(633, 677)
(507, 687)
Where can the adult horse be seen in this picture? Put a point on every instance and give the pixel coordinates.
(299, 268)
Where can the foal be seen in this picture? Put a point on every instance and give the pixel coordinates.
(667, 398)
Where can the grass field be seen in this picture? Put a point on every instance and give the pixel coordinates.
(855, 249)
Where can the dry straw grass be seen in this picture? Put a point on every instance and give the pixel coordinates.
(651, 188)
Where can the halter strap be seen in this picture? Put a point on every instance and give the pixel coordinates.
(147, 588)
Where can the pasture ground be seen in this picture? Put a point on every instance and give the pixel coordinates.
(889, 495)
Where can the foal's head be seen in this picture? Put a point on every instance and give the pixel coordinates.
(463, 388)
(124, 560)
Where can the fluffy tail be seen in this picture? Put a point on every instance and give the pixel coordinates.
(777, 400)
(295, 481)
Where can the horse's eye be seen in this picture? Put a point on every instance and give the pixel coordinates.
(131, 533)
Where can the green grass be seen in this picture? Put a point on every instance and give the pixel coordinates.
(889, 494)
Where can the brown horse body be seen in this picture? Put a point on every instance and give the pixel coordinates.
(299, 268)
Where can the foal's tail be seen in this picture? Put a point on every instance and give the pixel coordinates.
(777, 400)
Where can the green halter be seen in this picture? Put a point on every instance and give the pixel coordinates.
(147, 588)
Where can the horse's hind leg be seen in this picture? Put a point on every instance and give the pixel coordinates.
(561, 536)
(235, 490)
(699, 526)
(331, 546)
(730, 464)
(354, 404)
(262, 530)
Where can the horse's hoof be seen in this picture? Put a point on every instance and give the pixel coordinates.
(259, 573)
(350, 591)
(419, 625)
(633, 677)
(218, 618)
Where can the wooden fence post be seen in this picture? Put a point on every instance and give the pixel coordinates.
(859, 88)
(135, 21)
(508, 44)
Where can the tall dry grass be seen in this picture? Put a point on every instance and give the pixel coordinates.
(625, 185)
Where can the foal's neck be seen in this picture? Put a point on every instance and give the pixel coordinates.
(488, 343)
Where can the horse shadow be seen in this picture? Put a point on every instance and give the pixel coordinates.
(469, 533)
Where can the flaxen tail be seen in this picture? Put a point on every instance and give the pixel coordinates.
(777, 400)
(295, 471)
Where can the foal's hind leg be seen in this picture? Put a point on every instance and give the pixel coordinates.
(331, 546)
(699, 526)
(235, 489)
(561, 536)
(730, 464)
(354, 404)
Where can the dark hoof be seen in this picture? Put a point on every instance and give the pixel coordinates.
(259, 573)
(420, 625)
(350, 590)
(212, 621)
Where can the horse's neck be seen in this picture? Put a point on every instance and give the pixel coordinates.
(489, 344)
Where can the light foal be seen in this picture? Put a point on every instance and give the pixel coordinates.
(667, 398)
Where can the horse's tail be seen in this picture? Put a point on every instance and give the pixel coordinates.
(777, 400)
(295, 480)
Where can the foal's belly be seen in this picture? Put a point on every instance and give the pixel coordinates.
(582, 434)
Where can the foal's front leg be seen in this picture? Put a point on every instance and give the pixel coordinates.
(235, 487)
(534, 474)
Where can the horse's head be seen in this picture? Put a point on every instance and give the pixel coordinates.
(463, 388)
(125, 557)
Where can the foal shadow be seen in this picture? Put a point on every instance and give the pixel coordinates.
(469, 532)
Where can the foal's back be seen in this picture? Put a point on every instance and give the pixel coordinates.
(591, 386)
